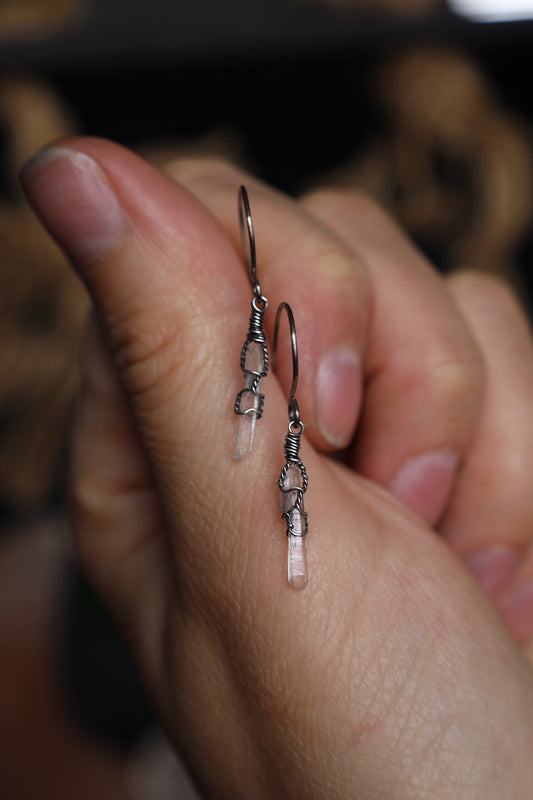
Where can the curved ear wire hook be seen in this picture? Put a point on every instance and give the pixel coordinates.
(294, 411)
(248, 239)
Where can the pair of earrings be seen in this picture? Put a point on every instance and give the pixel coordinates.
(249, 406)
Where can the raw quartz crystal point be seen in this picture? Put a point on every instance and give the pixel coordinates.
(250, 400)
(296, 526)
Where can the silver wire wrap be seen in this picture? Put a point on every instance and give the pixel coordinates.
(296, 428)
(292, 450)
(255, 334)
(259, 306)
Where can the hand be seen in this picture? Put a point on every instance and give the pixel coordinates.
(391, 675)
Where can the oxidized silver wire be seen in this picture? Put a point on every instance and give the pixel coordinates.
(294, 411)
(248, 239)
(291, 447)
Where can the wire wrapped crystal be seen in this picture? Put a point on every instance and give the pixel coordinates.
(254, 354)
(293, 484)
(254, 365)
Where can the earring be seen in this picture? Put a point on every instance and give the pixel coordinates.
(293, 479)
(254, 354)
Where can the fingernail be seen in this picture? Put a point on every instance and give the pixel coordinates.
(492, 568)
(338, 395)
(518, 612)
(424, 483)
(75, 202)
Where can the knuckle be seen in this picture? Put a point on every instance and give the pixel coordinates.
(166, 362)
(322, 256)
(151, 361)
(345, 202)
(456, 376)
(477, 280)
(87, 507)
(334, 260)
(99, 504)
(494, 290)
(195, 169)
(517, 465)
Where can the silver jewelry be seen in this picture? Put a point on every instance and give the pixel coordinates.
(254, 355)
(293, 479)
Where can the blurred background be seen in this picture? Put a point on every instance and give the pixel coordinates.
(426, 105)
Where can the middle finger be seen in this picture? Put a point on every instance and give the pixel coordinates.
(424, 372)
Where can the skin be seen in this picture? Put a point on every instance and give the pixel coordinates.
(393, 675)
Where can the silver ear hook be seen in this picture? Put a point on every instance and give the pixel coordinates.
(248, 239)
(294, 411)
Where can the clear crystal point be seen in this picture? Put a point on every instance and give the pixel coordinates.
(297, 548)
(297, 562)
(244, 441)
(254, 361)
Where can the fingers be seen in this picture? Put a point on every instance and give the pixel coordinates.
(114, 496)
(492, 505)
(490, 521)
(173, 301)
(302, 262)
(424, 373)
(387, 616)
(114, 507)
(131, 234)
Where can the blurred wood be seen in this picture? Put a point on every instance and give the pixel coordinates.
(33, 18)
(454, 166)
(43, 310)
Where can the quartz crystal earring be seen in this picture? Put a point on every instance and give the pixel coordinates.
(293, 479)
(254, 354)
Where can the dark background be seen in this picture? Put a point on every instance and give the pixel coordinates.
(292, 80)
(291, 77)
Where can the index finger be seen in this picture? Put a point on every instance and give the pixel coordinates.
(303, 262)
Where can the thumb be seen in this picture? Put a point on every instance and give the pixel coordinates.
(173, 297)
